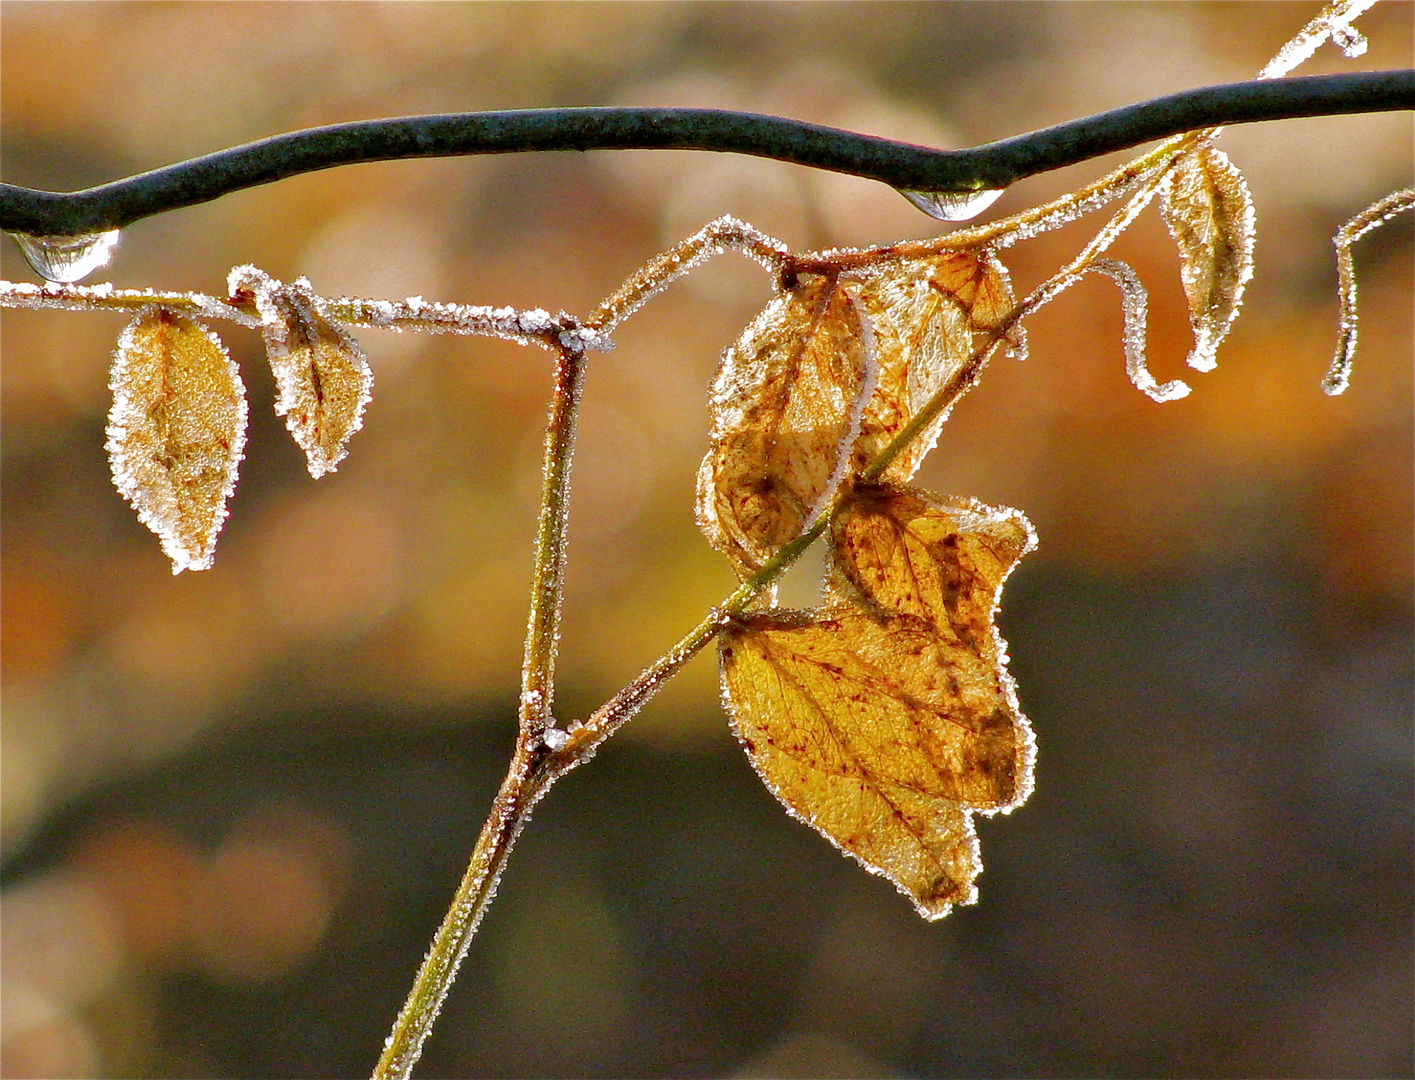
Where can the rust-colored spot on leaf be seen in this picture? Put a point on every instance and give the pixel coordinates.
(176, 431)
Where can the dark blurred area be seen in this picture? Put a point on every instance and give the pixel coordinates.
(235, 803)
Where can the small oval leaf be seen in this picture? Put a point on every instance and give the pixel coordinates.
(176, 431)
(1209, 212)
(322, 378)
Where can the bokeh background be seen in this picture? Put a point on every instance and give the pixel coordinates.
(235, 802)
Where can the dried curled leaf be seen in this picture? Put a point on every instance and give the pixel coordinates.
(890, 334)
(322, 379)
(1209, 212)
(785, 409)
(931, 317)
(176, 431)
(887, 719)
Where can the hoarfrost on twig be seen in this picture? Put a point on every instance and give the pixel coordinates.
(1334, 24)
(1135, 302)
(1338, 376)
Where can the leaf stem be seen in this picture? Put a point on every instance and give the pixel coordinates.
(618, 710)
(548, 581)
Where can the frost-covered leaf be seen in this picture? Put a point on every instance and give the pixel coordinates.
(176, 431)
(886, 719)
(322, 379)
(883, 736)
(785, 409)
(943, 559)
(930, 317)
(1209, 213)
(892, 333)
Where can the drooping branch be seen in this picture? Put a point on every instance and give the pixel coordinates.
(901, 165)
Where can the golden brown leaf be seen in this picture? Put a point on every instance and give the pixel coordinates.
(882, 735)
(942, 559)
(887, 718)
(176, 431)
(930, 317)
(788, 392)
(1209, 213)
(785, 407)
(323, 381)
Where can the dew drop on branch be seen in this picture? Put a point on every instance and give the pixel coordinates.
(952, 205)
(67, 258)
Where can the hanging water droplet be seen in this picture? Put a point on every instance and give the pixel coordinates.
(953, 205)
(67, 258)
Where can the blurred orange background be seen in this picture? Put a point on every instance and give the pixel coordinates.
(234, 802)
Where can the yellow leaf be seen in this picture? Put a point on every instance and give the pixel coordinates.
(896, 333)
(887, 718)
(1209, 213)
(883, 736)
(322, 379)
(930, 317)
(176, 431)
(942, 559)
(785, 408)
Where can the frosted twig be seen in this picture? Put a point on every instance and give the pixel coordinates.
(1133, 295)
(413, 314)
(104, 297)
(1338, 376)
(1069, 274)
(1135, 301)
(1334, 24)
(714, 238)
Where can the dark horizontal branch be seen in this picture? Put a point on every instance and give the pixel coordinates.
(901, 165)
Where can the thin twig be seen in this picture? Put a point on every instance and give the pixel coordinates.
(1377, 214)
(532, 769)
(901, 165)
(524, 784)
